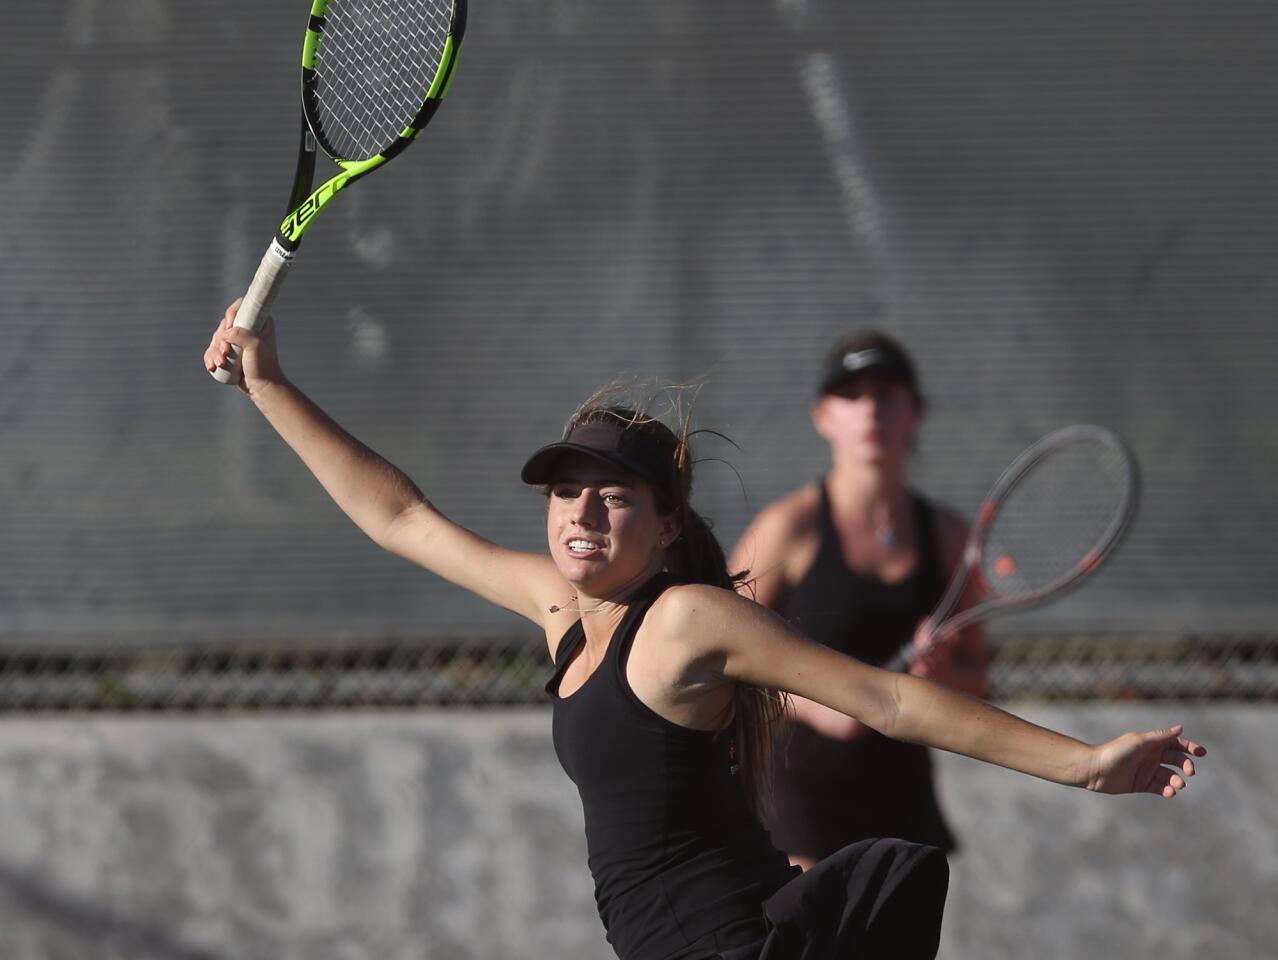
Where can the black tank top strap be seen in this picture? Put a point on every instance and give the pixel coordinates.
(825, 510)
(828, 548)
(623, 636)
(568, 645)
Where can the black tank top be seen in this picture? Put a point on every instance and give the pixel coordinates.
(831, 793)
(681, 866)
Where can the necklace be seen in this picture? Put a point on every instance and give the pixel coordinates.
(572, 606)
(885, 530)
(620, 596)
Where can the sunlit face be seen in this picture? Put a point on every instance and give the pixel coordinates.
(603, 526)
(869, 419)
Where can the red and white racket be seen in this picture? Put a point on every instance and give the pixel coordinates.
(1054, 516)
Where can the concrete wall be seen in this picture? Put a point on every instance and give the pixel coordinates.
(453, 835)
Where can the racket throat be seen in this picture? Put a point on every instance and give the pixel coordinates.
(296, 223)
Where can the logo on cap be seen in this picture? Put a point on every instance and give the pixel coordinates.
(860, 359)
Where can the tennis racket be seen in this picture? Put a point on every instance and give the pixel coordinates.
(373, 74)
(1054, 516)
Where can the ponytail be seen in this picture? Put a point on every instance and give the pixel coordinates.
(697, 557)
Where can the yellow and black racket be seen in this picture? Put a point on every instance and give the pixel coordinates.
(373, 74)
(1054, 516)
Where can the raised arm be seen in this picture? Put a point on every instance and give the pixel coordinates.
(750, 644)
(376, 495)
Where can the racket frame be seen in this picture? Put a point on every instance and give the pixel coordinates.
(304, 203)
(971, 568)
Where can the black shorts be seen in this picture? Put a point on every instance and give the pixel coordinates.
(873, 900)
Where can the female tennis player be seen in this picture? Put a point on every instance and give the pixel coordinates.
(857, 561)
(660, 692)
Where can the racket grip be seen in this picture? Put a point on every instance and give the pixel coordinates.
(905, 656)
(257, 304)
(901, 662)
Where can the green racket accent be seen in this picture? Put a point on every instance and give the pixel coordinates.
(453, 53)
(297, 222)
(295, 225)
(444, 76)
(310, 48)
(373, 75)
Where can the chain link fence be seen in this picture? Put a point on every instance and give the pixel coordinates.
(506, 671)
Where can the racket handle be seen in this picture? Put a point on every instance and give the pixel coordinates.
(901, 662)
(257, 304)
(940, 633)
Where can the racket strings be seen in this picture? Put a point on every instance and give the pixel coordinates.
(375, 63)
(1065, 510)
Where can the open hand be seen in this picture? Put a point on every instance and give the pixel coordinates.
(1155, 762)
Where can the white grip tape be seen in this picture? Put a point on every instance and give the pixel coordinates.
(257, 303)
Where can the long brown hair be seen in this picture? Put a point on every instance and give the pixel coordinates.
(696, 556)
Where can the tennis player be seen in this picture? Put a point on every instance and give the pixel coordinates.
(661, 692)
(857, 561)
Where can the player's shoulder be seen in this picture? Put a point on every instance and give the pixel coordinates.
(791, 516)
(691, 610)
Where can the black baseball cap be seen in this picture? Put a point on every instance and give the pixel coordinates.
(866, 351)
(637, 452)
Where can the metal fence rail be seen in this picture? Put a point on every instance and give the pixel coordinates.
(488, 671)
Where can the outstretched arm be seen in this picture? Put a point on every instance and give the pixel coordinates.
(747, 643)
(777, 549)
(376, 495)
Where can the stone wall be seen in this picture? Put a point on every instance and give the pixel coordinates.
(453, 835)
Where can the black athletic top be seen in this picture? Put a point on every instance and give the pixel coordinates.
(681, 866)
(829, 792)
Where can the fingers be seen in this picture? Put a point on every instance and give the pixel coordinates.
(1165, 783)
(1180, 746)
(227, 333)
(1160, 785)
(1193, 748)
(1176, 757)
(219, 349)
(1189, 746)
(239, 336)
(215, 353)
(1173, 758)
(1176, 764)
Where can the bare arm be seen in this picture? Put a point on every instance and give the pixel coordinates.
(747, 643)
(381, 500)
(777, 549)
